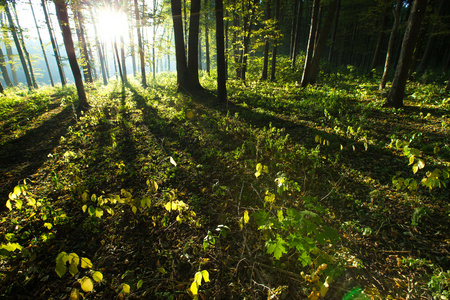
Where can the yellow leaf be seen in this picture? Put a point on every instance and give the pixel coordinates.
(97, 276)
(194, 288)
(8, 205)
(134, 209)
(198, 277)
(205, 275)
(162, 270)
(126, 288)
(246, 217)
(75, 294)
(86, 263)
(86, 284)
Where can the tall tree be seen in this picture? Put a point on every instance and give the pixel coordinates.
(9, 53)
(298, 30)
(390, 50)
(24, 48)
(42, 45)
(334, 34)
(194, 26)
(319, 39)
(396, 94)
(19, 49)
(2, 91)
(99, 50)
(275, 43)
(266, 44)
(4, 69)
(208, 62)
(54, 45)
(221, 66)
(63, 19)
(79, 28)
(140, 44)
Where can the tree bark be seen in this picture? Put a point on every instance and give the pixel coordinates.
(194, 26)
(266, 45)
(54, 46)
(297, 33)
(63, 19)
(140, 44)
(275, 46)
(396, 94)
(381, 35)
(2, 91)
(79, 28)
(208, 62)
(390, 50)
(293, 29)
(9, 53)
(4, 69)
(99, 50)
(221, 66)
(311, 42)
(42, 45)
(19, 49)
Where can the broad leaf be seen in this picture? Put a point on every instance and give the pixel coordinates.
(246, 217)
(198, 277)
(139, 284)
(194, 288)
(276, 248)
(126, 288)
(75, 294)
(86, 263)
(98, 212)
(86, 284)
(97, 276)
(205, 275)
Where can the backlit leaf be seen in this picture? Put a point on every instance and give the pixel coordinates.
(84, 208)
(97, 276)
(86, 284)
(75, 294)
(48, 225)
(91, 210)
(139, 284)
(276, 248)
(86, 263)
(258, 170)
(126, 288)
(194, 288)
(246, 217)
(421, 164)
(172, 161)
(205, 275)
(8, 205)
(98, 212)
(198, 277)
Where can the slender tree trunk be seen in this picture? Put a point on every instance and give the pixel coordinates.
(194, 26)
(2, 91)
(19, 49)
(119, 66)
(396, 94)
(293, 29)
(208, 62)
(248, 21)
(275, 46)
(311, 42)
(99, 50)
(24, 48)
(61, 13)
(4, 69)
(154, 40)
(54, 46)
(335, 27)
(9, 53)
(122, 55)
(381, 35)
(221, 67)
(42, 45)
(140, 44)
(266, 45)
(79, 28)
(390, 50)
(297, 33)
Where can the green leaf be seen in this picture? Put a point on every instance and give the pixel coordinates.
(75, 294)
(139, 284)
(60, 269)
(10, 247)
(84, 207)
(269, 197)
(86, 263)
(86, 284)
(73, 269)
(126, 288)
(98, 212)
(48, 225)
(280, 215)
(276, 248)
(91, 210)
(97, 276)
(411, 160)
(415, 168)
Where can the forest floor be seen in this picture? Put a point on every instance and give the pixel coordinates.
(280, 193)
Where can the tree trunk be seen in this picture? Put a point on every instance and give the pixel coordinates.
(221, 67)
(183, 76)
(154, 39)
(396, 94)
(19, 49)
(140, 44)
(79, 28)
(42, 45)
(99, 50)
(208, 62)
(311, 42)
(54, 46)
(293, 30)
(390, 50)
(335, 27)
(119, 65)
(63, 19)
(2, 91)
(4, 69)
(194, 26)
(381, 35)
(248, 21)
(266, 45)
(297, 33)
(275, 46)
(9, 53)
(24, 48)
(122, 55)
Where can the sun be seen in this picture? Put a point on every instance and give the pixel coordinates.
(111, 24)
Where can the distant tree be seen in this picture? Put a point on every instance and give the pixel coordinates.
(9, 53)
(208, 62)
(18, 46)
(396, 94)
(140, 44)
(54, 45)
(4, 69)
(381, 34)
(390, 50)
(99, 50)
(298, 27)
(275, 43)
(194, 26)
(79, 29)
(221, 66)
(63, 19)
(266, 44)
(42, 45)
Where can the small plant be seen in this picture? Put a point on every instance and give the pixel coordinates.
(198, 278)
